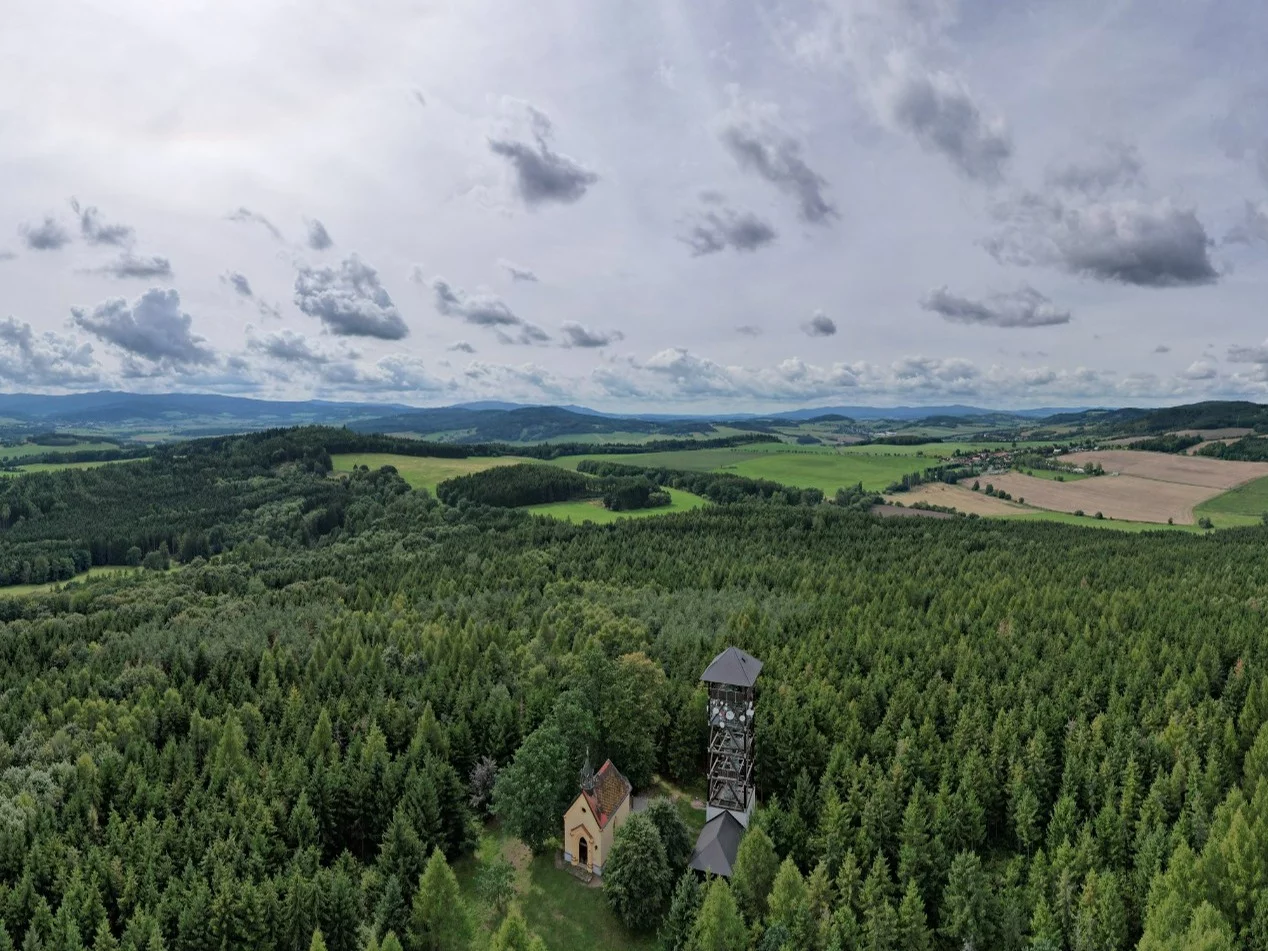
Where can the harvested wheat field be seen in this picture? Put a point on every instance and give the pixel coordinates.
(1170, 467)
(1127, 497)
(961, 499)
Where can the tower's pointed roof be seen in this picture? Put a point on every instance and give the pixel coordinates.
(734, 667)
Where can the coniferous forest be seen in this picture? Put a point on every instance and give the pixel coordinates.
(970, 733)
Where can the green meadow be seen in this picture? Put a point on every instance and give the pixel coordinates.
(422, 472)
(592, 510)
(1244, 505)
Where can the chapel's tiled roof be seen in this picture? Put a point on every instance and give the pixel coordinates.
(606, 792)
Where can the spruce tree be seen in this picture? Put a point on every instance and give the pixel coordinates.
(756, 865)
(719, 925)
(675, 930)
(439, 920)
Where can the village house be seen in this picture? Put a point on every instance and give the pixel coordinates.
(591, 821)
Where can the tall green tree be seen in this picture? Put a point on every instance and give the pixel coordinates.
(753, 874)
(719, 924)
(439, 920)
(636, 876)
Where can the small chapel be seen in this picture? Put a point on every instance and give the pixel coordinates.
(591, 821)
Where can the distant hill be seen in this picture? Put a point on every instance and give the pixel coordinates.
(1212, 414)
(525, 424)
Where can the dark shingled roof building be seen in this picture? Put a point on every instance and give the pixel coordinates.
(718, 845)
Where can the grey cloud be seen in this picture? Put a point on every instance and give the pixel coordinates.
(761, 148)
(485, 310)
(129, 265)
(1252, 228)
(289, 347)
(7, 256)
(461, 346)
(96, 232)
(238, 282)
(575, 335)
(941, 114)
(46, 359)
(154, 329)
(1162, 348)
(1251, 354)
(528, 334)
(1117, 166)
(820, 325)
(749, 330)
(318, 236)
(713, 230)
(1130, 242)
(349, 300)
(268, 310)
(517, 272)
(542, 174)
(420, 98)
(931, 371)
(1025, 307)
(48, 235)
(246, 214)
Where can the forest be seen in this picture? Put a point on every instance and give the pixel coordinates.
(970, 733)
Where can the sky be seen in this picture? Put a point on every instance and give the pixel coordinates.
(670, 205)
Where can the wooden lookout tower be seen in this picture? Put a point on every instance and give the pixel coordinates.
(730, 679)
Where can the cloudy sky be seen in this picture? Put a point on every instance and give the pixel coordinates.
(671, 204)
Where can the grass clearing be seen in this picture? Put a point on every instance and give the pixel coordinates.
(423, 472)
(1243, 505)
(104, 571)
(57, 466)
(567, 915)
(592, 510)
(32, 449)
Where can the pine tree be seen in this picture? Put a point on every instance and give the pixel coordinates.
(512, 935)
(6, 942)
(390, 942)
(756, 865)
(913, 927)
(401, 855)
(317, 944)
(439, 920)
(789, 904)
(719, 925)
(675, 930)
(391, 912)
(966, 902)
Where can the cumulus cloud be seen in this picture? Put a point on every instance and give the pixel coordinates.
(289, 347)
(1116, 166)
(349, 300)
(48, 235)
(485, 310)
(758, 145)
(318, 236)
(1024, 307)
(129, 265)
(1149, 244)
(1162, 348)
(938, 110)
(45, 359)
(1253, 227)
(1200, 370)
(714, 229)
(517, 272)
(238, 282)
(576, 335)
(820, 325)
(461, 346)
(152, 329)
(541, 174)
(935, 372)
(95, 231)
(247, 215)
(749, 330)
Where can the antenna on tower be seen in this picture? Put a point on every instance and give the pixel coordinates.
(731, 678)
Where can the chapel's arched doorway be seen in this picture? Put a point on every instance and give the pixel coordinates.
(583, 852)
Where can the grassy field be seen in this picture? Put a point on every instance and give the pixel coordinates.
(31, 449)
(1087, 521)
(1240, 506)
(105, 571)
(568, 915)
(592, 510)
(423, 472)
(55, 466)
(807, 468)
